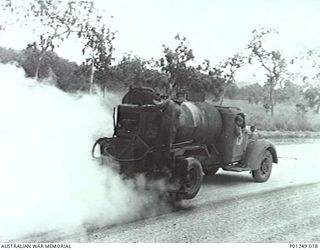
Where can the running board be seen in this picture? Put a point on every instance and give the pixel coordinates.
(235, 169)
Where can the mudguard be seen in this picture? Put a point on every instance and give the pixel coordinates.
(122, 149)
(254, 152)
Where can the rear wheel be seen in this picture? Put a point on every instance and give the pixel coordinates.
(263, 173)
(193, 179)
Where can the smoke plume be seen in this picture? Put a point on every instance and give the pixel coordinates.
(48, 180)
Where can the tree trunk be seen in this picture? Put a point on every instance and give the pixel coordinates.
(271, 99)
(91, 76)
(36, 74)
(222, 97)
(224, 90)
(171, 85)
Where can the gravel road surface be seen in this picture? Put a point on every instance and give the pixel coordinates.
(232, 208)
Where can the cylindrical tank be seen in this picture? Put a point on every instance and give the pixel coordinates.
(200, 122)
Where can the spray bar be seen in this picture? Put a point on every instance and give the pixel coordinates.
(289, 158)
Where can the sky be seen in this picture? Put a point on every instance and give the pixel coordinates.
(215, 29)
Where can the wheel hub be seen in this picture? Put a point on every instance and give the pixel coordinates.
(265, 166)
(190, 179)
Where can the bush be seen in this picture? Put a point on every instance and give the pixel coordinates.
(286, 117)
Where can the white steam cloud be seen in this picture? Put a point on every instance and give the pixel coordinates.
(48, 180)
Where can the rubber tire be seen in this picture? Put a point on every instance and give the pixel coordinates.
(194, 169)
(262, 175)
(211, 171)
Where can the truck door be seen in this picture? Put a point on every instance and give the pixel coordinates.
(241, 137)
(234, 135)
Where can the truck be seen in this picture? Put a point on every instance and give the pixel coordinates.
(182, 139)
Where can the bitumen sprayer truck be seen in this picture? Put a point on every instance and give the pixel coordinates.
(181, 139)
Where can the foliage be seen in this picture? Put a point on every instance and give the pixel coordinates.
(231, 91)
(253, 93)
(175, 63)
(286, 117)
(227, 71)
(210, 79)
(311, 79)
(312, 95)
(175, 71)
(55, 20)
(288, 93)
(184, 77)
(64, 74)
(8, 55)
(99, 49)
(135, 71)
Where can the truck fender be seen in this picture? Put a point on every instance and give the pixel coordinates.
(255, 151)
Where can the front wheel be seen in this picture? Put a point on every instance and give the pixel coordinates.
(193, 179)
(263, 173)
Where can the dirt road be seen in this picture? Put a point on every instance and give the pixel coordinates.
(232, 208)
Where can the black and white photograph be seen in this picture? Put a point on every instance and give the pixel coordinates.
(159, 121)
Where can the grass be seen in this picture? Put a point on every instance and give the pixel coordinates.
(286, 117)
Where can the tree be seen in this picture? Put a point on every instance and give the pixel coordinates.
(8, 55)
(53, 21)
(272, 61)
(311, 77)
(58, 22)
(227, 71)
(253, 93)
(99, 48)
(64, 74)
(231, 91)
(175, 64)
(312, 95)
(135, 71)
(209, 79)
(289, 92)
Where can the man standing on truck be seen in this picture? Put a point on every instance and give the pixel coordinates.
(170, 112)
